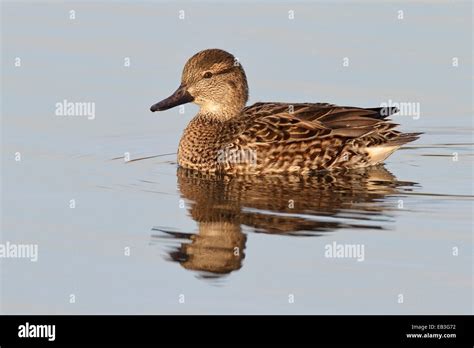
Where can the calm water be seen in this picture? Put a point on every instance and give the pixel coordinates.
(144, 234)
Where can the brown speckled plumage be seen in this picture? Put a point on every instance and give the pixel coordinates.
(227, 207)
(225, 136)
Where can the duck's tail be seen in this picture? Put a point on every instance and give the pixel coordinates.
(403, 138)
(380, 153)
(383, 112)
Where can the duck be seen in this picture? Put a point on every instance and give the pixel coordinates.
(228, 137)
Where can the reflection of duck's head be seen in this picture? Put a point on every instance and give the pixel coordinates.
(217, 248)
(292, 205)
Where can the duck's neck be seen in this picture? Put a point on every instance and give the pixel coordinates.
(219, 112)
(203, 138)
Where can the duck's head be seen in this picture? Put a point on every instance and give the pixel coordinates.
(213, 79)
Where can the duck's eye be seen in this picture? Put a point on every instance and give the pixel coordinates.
(207, 75)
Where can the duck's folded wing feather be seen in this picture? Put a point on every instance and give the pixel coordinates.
(282, 122)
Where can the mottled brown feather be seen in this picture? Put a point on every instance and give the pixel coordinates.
(304, 137)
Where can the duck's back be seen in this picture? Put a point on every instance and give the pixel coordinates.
(308, 137)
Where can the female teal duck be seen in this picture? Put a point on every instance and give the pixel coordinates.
(228, 137)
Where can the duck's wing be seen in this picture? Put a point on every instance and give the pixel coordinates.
(283, 122)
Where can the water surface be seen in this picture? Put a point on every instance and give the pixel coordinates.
(144, 233)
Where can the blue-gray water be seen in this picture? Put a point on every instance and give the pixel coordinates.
(413, 217)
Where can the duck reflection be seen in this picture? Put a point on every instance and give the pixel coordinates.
(224, 207)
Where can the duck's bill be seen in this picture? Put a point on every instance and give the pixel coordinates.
(181, 96)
